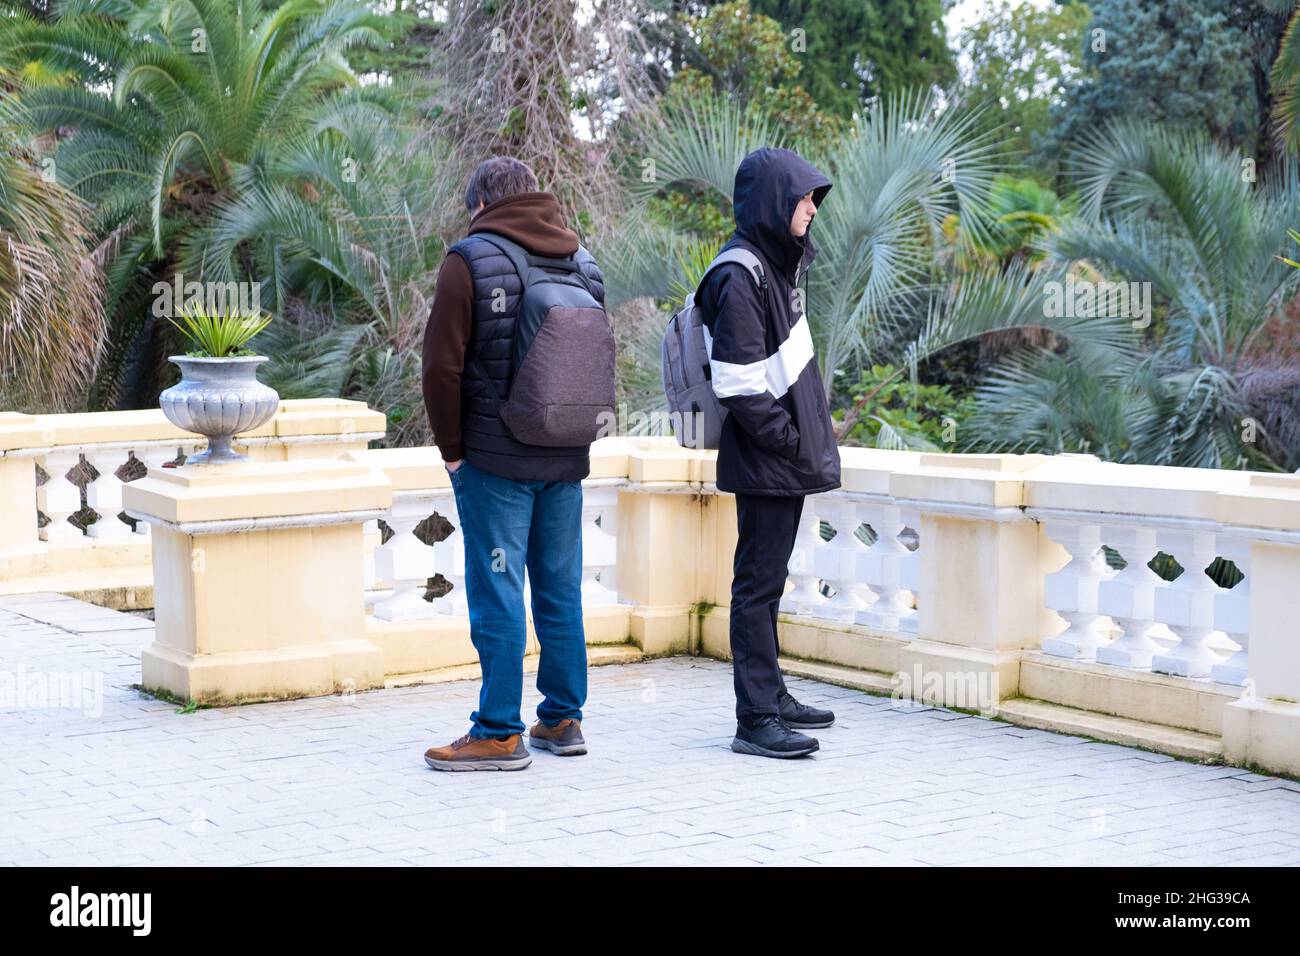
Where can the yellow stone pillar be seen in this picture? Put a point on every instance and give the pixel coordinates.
(21, 439)
(259, 578)
(1262, 727)
(980, 579)
(664, 561)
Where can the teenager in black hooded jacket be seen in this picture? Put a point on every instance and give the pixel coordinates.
(778, 441)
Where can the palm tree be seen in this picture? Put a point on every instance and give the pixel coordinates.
(875, 294)
(1174, 211)
(347, 223)
(177, 105)
(51, 317)
(1284, 78)
(1021, 211)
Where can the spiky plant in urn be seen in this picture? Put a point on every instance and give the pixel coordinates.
(219, 395)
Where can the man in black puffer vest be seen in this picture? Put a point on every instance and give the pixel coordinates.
(520, 505)
(778, 440)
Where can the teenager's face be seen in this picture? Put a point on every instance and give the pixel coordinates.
(803, 215)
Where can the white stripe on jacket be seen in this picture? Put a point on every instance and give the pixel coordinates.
(774, 374)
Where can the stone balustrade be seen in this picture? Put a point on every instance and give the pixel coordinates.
(1003, 584)
(965, 580)
(1130, 616)
(62, 525)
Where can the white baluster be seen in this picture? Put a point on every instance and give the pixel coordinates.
(836, 562)
(59, 498)
(599, 546)
(909, 572)
(1186, 605)
(406, 562)
(104, 494)
(449, 557)
(806, 596)
(882, 567)
(1072, 592)
(1232, 613)
(1129, 598)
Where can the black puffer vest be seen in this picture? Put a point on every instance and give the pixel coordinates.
(487, 442)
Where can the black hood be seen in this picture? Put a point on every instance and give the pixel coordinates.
(768, 186)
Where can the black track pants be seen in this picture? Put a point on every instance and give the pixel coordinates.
(767, 525)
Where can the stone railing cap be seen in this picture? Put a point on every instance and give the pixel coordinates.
(999, 464)
(1268, 501)
(18, 430)
(327, 416)
(199, 493)
(294, 418)
(609, 456)
(654, 458)
(982, 481)
(408, 469)
(1112, 488)
(868, 470)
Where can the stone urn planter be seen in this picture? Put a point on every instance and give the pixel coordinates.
(219, 398)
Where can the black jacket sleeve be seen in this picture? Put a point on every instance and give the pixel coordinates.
(735, 315)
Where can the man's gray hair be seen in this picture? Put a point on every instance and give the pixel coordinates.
(496, 178)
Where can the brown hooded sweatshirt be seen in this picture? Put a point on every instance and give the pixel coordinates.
(534, 221)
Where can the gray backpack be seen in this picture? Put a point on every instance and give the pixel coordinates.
(561, 389)
(696, 413)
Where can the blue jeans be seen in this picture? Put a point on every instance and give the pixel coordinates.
(509, 525)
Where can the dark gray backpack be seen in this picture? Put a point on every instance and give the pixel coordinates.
(696, 413)
(561, 389)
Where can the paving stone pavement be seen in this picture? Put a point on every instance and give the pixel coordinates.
(118, 778)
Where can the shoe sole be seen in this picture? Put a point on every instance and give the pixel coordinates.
(516, 764)
(792, 724)
(745, 747)
(564, 750)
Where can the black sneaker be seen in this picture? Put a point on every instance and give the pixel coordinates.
(768, 736)
(801, 717)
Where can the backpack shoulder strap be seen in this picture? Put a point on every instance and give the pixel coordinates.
(745, 258)
(523, 260)
(518, 257)
(583, 259)
(512, 250)
(738, 255)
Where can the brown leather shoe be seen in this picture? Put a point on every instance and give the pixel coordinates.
(565, 738)
(475, 753)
